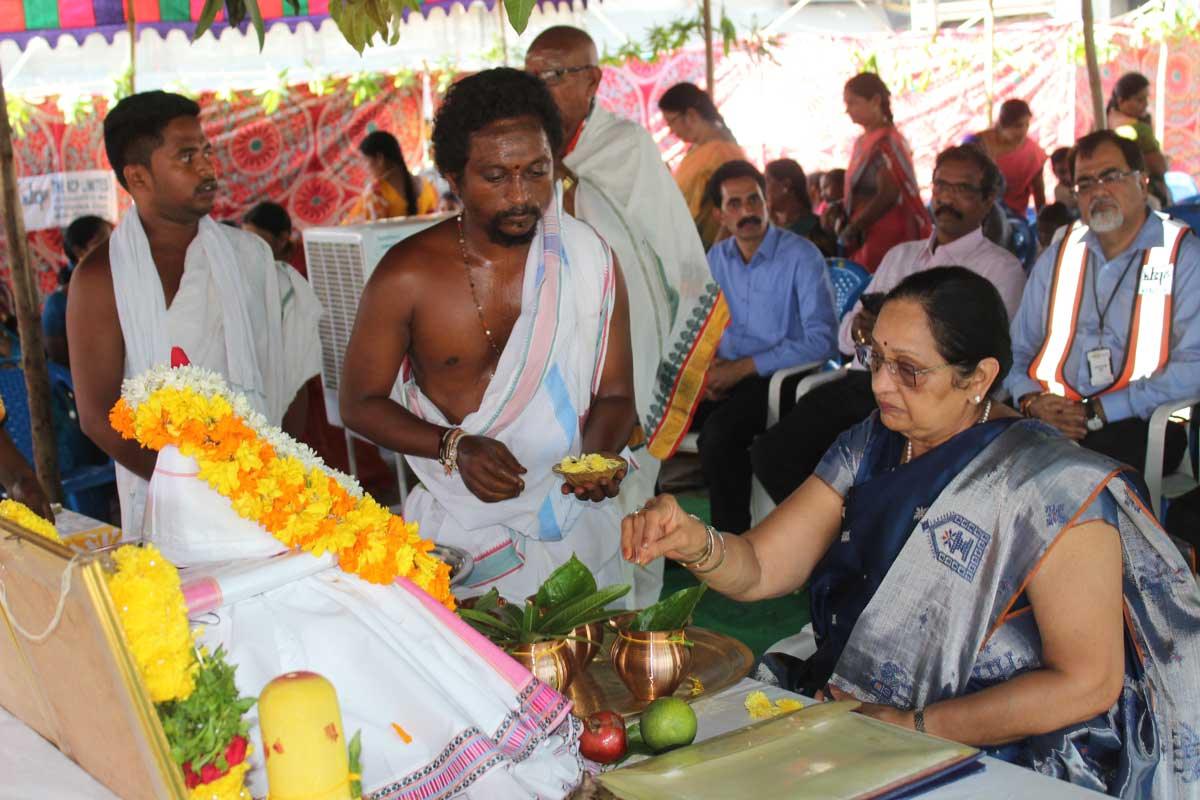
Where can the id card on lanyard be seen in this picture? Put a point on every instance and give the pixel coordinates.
(1100, 371)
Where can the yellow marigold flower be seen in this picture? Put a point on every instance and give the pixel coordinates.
(145, 590)
(24, 516)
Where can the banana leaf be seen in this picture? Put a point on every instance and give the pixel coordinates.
(569, 582)
(564, 619)
(671, 613)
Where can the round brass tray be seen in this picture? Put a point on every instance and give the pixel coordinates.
(718, 661)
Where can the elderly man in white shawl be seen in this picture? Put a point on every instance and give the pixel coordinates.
(615, 180)
(508, 328)
(173, 284)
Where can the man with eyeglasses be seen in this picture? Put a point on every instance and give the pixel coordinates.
(614, 179)
(965, 187)
(1107, 330)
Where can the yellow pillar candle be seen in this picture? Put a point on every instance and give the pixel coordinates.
(303, 741)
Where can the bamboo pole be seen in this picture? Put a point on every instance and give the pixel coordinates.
(709, 69)
(25, 297)
(131, 25)
(1093, 66)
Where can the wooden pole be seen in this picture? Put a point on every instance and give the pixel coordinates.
(709, 69)
(1093, 66)
(131, 25)
(25, 297)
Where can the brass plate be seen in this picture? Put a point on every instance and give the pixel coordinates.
(718, 661)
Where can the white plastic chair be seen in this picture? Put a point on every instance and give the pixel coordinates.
(1182, 479)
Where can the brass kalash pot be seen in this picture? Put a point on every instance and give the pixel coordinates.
(651, 664)
(551, 661)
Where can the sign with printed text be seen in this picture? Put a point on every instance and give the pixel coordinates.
(1156, 279)
(55, 199)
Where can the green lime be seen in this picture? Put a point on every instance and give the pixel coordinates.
(668, 722)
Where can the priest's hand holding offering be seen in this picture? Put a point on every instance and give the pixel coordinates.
(489, 469)
(595, 477)
(661, 528)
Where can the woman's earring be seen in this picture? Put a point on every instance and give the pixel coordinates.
(977, 399)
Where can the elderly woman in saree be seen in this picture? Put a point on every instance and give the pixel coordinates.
(973, 574)
(883, 205)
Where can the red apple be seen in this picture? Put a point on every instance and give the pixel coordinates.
(603, 739)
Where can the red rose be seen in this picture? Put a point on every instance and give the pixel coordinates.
(235, 753)
(189, 775)
(209, 773)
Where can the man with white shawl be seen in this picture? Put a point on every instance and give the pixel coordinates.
(508, 329)
(615, 180)
(173, 284)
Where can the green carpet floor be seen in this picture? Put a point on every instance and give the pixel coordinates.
(758, 625)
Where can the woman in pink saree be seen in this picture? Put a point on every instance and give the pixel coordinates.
(1018, 155)
(883, 202)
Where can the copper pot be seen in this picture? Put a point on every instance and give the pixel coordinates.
(651, 664)
(550, 661)
(584, 651)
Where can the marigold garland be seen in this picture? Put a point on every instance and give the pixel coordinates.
(273, 480)
(26, 518)
(146, 591)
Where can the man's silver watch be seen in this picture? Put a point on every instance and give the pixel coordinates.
(1094, 421)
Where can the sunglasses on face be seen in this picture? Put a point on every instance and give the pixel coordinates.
(551, 77)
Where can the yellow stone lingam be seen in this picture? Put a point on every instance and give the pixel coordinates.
(303, 740)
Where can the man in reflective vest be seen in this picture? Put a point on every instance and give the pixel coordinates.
(1107, 329)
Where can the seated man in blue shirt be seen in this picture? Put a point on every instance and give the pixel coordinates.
(781, 315)
(1109, 325)
(79, 239)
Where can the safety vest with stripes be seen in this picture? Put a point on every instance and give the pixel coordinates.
(1150, 327)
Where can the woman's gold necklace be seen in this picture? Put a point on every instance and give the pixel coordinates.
(987, 411)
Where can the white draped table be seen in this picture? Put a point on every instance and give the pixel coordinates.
(32, 767)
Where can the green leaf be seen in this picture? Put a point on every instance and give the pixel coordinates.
(256, 18)
(569, 582)
(518, 13)
(671, 613)
(355, 753)
(489, 602)
(490, 622)
(207, 15)
(527, 618)
(567, 617)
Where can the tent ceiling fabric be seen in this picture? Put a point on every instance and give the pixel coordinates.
(23, 20)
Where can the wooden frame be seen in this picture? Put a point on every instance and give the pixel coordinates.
(79, 688)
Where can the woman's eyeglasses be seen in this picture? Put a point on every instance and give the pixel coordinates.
(902, 371)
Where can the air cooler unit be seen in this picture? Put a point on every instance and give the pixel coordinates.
(340, 260)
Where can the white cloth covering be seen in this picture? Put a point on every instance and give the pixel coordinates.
(536, 404)
(478, 723)
(227, 315)
(627, 194)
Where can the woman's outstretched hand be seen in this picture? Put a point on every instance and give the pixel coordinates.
(661, 528)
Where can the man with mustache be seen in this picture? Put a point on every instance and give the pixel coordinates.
(508, 327)
(172, 278)
(965, 186)
(1107, 329)
(781, 315)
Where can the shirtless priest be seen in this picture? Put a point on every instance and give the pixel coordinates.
(492, 345)
(170, 277)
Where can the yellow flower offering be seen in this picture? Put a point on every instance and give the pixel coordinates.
(592, 462)
(762, 708)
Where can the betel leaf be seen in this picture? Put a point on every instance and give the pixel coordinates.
(569, 582)
(489, 624)
(518, 13)
(568, 616)
(671, 613)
